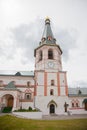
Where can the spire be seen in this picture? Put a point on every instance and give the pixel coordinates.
(47, 37)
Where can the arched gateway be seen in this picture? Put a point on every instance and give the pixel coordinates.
(10, 97)
(8, 100)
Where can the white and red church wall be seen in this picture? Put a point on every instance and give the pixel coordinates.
(46, 102)
(19, 80)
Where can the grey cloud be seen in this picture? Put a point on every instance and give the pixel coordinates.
(67, 40)
(27, 37)
(80, 83)
(7, 53)
(1, 51)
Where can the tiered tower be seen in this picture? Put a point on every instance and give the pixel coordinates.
(50, 80)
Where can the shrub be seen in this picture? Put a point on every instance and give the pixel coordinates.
(30, 108)
(26, 110)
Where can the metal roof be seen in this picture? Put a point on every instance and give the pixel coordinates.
(47, 36)
(85, 100)
(16, 73)
(77, 91)
(47, 31)
(27, 73)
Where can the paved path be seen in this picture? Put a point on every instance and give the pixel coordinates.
(55, 117)
(2, 114)
(64, 117)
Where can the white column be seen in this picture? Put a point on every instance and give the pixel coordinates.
(14, 104)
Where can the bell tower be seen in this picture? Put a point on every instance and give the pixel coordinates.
(48, 53)
(50, 80)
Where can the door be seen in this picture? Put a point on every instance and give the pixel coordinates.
(10, 102)
(86, 106)
(52, 108)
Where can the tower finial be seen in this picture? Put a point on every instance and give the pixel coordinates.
(47, 20)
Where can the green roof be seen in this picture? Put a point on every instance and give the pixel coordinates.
(85, 100)
(47, 37)
(10, 86)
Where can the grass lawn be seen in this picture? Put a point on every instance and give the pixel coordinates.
(9, 122)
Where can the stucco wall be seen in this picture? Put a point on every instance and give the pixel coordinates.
(42, 103)
(19, 80)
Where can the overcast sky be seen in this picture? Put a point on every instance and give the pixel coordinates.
(21, 29)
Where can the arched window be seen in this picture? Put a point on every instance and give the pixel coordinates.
(52, 82)
(50, 54)
(28, 96)
(72, 104)
(28, 83)
(40, 55)
(77, 105)
(51, 92)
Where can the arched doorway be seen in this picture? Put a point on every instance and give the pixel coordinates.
(8, 100)
(86, 106)
(85, 103)
(52, 105)
(52, 108)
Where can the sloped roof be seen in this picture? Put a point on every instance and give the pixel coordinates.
(77, 91)
(25, 73)
(47, 30)
(10, 86)
(85, 100)
(16, 73)
(48, 33)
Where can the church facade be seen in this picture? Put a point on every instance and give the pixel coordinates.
(46, 87)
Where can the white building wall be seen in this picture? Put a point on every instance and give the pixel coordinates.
(26, 105)
(40, 90)
(62, 91)
(40, 78)
(62, 84)
(51, 76)
(55, 90)
(19, 80)
(40, 83)
(62, 79)
(42, 65)
(42, 104)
